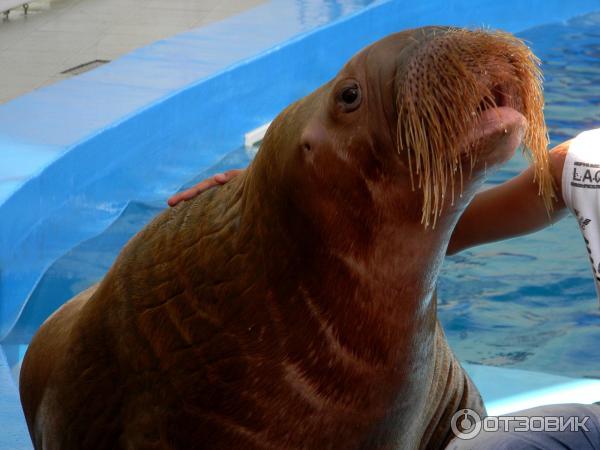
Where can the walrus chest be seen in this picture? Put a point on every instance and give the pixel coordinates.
(266, 380)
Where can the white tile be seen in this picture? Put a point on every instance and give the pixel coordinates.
(7, 40)
(74, 23)
(60, 34)
(185, 5)
(31, 59)
(238, 5)
(59, 41)
(217, 15)
(19, 80)
(126, 40)
(159, 30)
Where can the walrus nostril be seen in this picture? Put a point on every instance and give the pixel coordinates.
(306, 147)
(498, 99)
(500, 96)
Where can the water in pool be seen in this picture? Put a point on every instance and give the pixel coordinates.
(527, 303)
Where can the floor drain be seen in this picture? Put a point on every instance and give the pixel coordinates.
(81, 68)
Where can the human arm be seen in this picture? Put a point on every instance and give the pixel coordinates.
(511, 209)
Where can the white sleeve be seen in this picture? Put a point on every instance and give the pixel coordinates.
(581, 192)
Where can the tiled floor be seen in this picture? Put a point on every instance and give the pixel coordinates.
(57, 35)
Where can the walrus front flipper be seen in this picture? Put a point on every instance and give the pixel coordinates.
(42, 358)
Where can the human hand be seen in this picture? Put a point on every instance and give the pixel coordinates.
(215, 180)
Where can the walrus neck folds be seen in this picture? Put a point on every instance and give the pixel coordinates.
(366, 307)
(354, 285)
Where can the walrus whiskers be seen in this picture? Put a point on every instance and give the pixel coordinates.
(464, 76)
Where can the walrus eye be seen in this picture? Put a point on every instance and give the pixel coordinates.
(350, 97)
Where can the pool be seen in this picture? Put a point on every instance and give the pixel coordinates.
(101, 178)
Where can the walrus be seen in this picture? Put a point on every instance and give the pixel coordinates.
(294, 307)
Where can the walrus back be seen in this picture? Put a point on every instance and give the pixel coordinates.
(113, 335)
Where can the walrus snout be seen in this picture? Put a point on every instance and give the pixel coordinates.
(452, 81)
(500, 97)
(499, 132)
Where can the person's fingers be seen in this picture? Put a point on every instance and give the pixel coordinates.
(192, 192)
(220, 178)
(173, 200)
(224, 177)
(188, 194)
(181, 196)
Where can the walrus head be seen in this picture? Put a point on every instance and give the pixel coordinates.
(436, 106)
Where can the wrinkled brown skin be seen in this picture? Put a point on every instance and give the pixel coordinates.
(292, 308)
